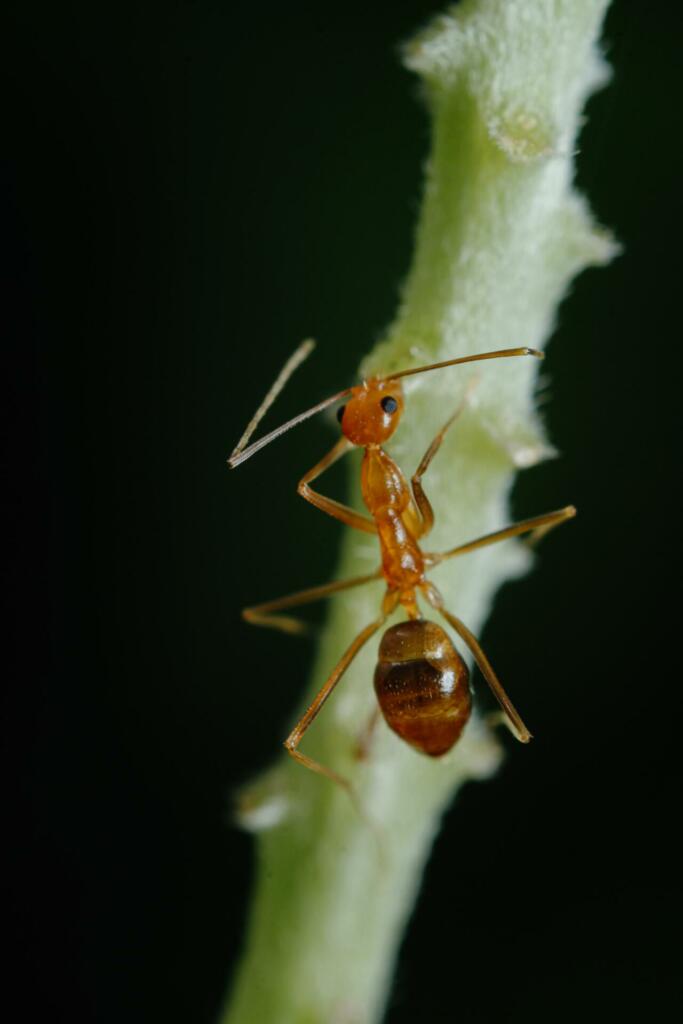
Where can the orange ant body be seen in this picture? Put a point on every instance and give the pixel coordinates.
(421, 682)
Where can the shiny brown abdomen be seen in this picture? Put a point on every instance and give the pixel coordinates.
(422, 685)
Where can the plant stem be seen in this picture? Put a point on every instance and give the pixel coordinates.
(501, 233)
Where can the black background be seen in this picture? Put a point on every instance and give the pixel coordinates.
(186, 193)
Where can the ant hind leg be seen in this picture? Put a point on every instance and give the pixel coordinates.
(512, 715)
(297, 734)
(365, 739)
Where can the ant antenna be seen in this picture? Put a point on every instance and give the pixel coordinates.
(240, 452)
(499, 354)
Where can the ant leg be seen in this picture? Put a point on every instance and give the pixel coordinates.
(364, 741)
(538, 527)
(421, 499)
(334, 508)
(296, 735)
(516, 724)
(494, 719)
(260, 614)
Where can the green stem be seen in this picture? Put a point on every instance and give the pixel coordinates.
(501, 234)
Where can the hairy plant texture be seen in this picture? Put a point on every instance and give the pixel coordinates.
(501, 234)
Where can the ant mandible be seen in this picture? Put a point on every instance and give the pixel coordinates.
(421, 682)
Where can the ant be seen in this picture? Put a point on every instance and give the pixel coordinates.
(421, 681)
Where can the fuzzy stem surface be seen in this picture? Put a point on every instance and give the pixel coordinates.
(501, 233)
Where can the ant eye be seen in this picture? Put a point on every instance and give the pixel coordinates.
(389, 404)
(340, 413)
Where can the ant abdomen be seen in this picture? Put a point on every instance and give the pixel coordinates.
(422, 685)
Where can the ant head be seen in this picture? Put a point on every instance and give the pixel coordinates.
(372, 413)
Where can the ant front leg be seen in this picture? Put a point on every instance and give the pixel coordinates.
(421, 499)
(334, 508)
